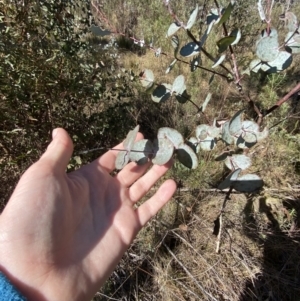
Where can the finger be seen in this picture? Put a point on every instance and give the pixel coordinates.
(144, 184)
(130, 173)
(107, 161)
(149, 209)
(59, 151)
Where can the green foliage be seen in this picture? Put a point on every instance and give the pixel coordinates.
(54, 75)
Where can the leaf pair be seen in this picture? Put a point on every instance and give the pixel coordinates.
(185, 153)
(164, 91)
(160, 151)
(244, 134)
(206, 137)
(174, 27)
(270, 58)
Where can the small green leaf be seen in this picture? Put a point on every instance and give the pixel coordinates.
(195, 62)
(219, 61)
(282, 62)
(208, 143)
(291, 21)
(130, 138)
(193, 143)
(175, 41)
(226, 136)
(224, 43)
(201, 131)
(171, 66)
(226, 13)
(206, 101)
(255, 65)
(237, 34)
(182, 97)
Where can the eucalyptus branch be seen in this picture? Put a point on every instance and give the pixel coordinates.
(283, 100)
(235, 65)
(203, 68)
(254, 107)
(174, 16)
(103, 18)
(208, 55)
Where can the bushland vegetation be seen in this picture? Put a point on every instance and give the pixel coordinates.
(85, 66)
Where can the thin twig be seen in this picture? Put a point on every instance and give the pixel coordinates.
(220, 217)
(283, 99)
(206, 53)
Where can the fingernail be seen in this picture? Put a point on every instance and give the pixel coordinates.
(54, 132)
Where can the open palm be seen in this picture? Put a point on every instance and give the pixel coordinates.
(61, 235)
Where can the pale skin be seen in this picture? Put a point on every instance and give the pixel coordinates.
(61, 235)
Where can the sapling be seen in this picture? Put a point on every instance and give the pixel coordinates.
(235, 133)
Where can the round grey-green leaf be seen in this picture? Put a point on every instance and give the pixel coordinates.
(174, 136)
(267, 48)
(235, 123)
(178, 85)
(192, 18)
(208, 143)
(161, 93)
(97, 31)
(173, 29)
(248, 183)
(147, 78)
(122, 159)
(130, 138)
(163, 151)
(238, 161)
(226, 136)
(190, 49)
(187, 156)
(141, 151)
(229, 179)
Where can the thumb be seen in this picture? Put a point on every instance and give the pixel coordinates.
(60, 150)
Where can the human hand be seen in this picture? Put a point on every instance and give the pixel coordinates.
(61, 235)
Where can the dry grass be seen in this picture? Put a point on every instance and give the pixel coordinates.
(174, 257)
(260, 243)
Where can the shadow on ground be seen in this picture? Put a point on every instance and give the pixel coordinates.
(279, 279)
